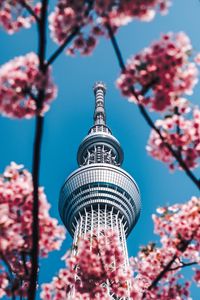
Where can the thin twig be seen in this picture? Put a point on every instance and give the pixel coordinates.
(30, 10)
(184, 265)
(144, 113)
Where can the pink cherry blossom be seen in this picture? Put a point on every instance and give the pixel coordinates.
(180, 222)
(91, 19)
(178, 228)
(197, 277)
(183, 134)
(197, 59)
(164, 70)
(13, 15)
(20, 83)
(96, 262)
(16, 200)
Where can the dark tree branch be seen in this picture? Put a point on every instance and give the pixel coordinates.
(144, 113)
(183, 265)
(37, 154)
(23, 255)
(53, 57)
(30, 10)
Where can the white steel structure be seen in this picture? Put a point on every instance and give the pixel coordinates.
(100, 194)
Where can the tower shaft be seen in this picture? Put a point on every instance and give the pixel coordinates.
(97, 220)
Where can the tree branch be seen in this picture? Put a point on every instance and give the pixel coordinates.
(53, 57)
(30, 10)
(37, 154)
(181, 247)
(183, 265)
(144, 112)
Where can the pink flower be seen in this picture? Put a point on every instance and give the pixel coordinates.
(164, 70)
(16, 201)
(92, 264)
(183, 134)
(20, 84)
(70, 15)
(14, 16)
(197, 59)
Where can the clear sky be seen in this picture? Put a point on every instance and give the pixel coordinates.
(71, 115)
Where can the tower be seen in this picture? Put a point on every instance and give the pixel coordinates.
(100, 194)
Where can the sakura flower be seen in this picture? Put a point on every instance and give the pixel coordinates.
(20, 84)
(163, 70)
(89, 267)
(14, 15)
(88, 21)
(16, 201)
(183, 134)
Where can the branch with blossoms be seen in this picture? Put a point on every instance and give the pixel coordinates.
(178, 227)
(126, 84)
(167, 268)
(16, 207)
(34, 12)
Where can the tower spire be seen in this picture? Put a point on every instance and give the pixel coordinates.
(99, 112)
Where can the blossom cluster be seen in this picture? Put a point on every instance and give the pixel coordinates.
(70, 15)
(16, 202)
(20, 85)
(148, 265)
(178, 228)
(14, 15)
(178, 223)
(163, 71)
(96, 266)
(183, 134)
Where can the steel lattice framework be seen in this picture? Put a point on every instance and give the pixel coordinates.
(100, 194)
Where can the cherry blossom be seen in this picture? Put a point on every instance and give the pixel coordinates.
(183, 134)
(164, 71)
(13, 14)
(90, 19)
(20, 83)
(178, 228)
(197, 277)
(97, 262)
(16, 200)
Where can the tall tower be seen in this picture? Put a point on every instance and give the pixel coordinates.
(100, 194)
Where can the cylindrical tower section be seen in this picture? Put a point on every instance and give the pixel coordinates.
(96, 220)
(100, 196)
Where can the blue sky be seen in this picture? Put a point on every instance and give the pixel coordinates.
(71, 115)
